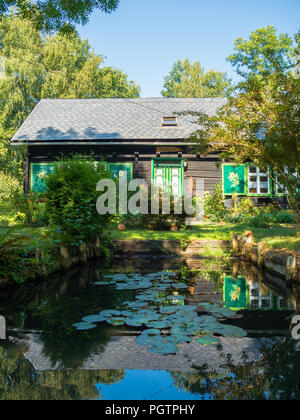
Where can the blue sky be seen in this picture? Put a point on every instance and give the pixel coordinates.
(145, 37)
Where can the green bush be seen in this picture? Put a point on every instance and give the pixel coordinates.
(214, 207)
(71, 198)
(9, 186)
(242, 210)
(14, 263)
(284, 217)
(153, 221)
(32, 206)
(261, 221)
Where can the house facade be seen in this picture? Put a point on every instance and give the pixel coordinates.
(145, 137)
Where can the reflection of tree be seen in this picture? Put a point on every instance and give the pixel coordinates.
(275, 377)
(19, 381)
(54, 309)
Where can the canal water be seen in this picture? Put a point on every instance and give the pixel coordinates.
(151, 329)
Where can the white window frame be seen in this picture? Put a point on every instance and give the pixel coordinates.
(286, 170)
(259, 174)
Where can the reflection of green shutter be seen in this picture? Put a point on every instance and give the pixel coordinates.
(235, 293)
(117, 169)
(234, 179)
(39, 172)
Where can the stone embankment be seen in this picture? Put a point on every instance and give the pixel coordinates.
(282, 263)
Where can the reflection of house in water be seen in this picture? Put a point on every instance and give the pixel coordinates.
(259, 300)
(240, 294)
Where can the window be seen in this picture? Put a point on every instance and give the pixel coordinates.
(120, 169)
(257, 300)
(168, 175)
(280, 189)
(258, 181)
(169, 122)
(39, 172)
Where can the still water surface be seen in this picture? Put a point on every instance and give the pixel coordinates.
(185, 318)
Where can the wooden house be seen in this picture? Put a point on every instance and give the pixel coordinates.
(145, 137)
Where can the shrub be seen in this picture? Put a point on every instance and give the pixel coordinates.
(242, 210)
(14, 264)
(32, 206)
(71, 198)
(262, 222)
(9, 186)
(153, 221)
(214, 207)
(284, 217)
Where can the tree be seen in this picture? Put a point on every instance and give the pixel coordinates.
(262, 54)
(188, 80)
(267, 100)
(57, 15)
(53, 67)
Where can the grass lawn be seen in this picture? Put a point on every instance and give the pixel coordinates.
(280, 236)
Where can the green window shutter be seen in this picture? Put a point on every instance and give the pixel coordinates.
(118, 169)
(234, 179)
(236, 293)
(39, 172)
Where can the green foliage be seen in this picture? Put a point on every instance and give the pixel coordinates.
(214, 207)
(9, 185)
(154, 221)
(262, 54)
(274, 377)
(60, 15)
(32, 206)
(54, 66)
(19, 381)
(71, 198)
(267, 103)
(188, 80)
(285, 217)
(13, 264)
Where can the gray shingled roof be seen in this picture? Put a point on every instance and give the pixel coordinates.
(111, 119)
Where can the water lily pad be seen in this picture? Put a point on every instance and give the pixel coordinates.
(116, 322)
(84, 326)
(182, 338)
(169, 310)
(109, 313)
(230, 331)
(217, 311)
(207, 340)
(158, 324)
(133, 323)
(136, 305)
(93, 319)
